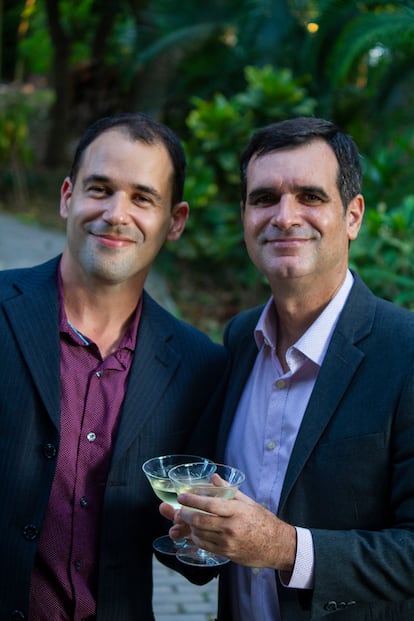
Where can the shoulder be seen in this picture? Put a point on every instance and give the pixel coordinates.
(366, 315)
(178, 333)
(242, 325)
(16, 280)
(361, 297)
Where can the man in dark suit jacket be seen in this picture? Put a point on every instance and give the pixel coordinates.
(319, 411)
(95, 379)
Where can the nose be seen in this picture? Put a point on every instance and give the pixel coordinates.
(285, 213)
(117, 209)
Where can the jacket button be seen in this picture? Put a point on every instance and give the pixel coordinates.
(30, 532)
(331, 606)
(17, 615)
(49, 450)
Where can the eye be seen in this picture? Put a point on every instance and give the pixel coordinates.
(96, 191)
(264, 200)
(143, 200)
(310, 198)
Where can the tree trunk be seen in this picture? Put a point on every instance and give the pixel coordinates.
(55, 155)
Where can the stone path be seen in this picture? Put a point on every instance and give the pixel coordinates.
(175, 599)
(23, 245)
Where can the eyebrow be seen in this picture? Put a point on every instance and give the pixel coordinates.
(147, 189)
(259, 191)
(307, 189)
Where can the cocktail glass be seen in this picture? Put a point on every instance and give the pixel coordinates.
(191, 477)
(156, 470)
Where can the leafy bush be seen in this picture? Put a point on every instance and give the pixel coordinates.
(388, 168)
(21, 108)
(383, 252)
(219, 130)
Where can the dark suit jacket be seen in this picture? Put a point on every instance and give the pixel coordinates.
(350, 478)
(174, 373)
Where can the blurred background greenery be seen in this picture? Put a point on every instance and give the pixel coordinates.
(215, 71)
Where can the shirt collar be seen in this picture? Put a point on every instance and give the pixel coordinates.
(314, 342)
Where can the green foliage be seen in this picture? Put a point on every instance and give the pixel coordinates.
(387, 169)
(383, 252)
(385, 26)
(14, 116)
(20, 109)
(219, 130)
(363, 52)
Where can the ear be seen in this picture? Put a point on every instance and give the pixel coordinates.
(179, 217)
(354, 215)
(65, 195)
(242, 210)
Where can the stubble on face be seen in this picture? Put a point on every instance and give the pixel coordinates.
(112, 244)
(294, 222)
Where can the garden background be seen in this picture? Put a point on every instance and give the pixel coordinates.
(215, 71)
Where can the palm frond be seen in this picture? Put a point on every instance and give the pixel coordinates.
(392, 30)
(184, 38)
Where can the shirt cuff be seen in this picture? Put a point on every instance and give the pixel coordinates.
(302, 575)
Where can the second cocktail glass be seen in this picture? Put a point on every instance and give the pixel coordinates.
(191, 477)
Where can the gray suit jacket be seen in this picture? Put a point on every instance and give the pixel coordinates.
(350, 478)
(175, 371)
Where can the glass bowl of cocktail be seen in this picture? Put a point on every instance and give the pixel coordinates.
(156, 470)
(193, 478)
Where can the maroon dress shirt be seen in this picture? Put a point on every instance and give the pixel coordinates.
(64, 580)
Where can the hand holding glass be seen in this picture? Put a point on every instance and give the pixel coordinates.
(192, 478)
(156, 470)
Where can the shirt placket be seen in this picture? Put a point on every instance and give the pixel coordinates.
(270, 484)
(93, 456)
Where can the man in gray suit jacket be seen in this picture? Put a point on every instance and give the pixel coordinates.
(320, 406)
(95, 379)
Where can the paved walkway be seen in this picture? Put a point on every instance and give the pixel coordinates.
(23, 245)
(175, 599)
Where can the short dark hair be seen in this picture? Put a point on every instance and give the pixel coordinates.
(303, 130)
(143, 128)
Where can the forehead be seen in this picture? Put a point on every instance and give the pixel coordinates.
(309, 164)
(115, 152)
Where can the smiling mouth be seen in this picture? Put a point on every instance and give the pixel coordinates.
(113, 241)
(287, 241)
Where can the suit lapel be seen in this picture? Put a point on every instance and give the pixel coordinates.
(244, 354)
(155, 362)
(341, 362)
(33, 316)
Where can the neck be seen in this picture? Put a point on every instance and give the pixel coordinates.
(296, 311)
(101, 314)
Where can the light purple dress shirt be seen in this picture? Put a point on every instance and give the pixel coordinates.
(64, 578)
(266, 424)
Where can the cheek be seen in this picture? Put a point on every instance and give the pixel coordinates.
(254, 223)
(152, 224)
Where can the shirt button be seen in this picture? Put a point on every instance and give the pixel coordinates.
(271, 445)
(91, 437)
(78, 564)
(255, 571)
(83, 501)
(280, 383)
(99, 374)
